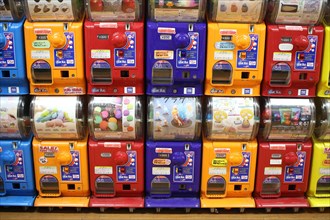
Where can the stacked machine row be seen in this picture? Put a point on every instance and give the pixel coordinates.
(151, 152)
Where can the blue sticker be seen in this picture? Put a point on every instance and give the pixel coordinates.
(126, 56)
(248, 58)
(188, 57)
(305, 60)
(295, 173)
(185, 172)
(65, 57)
(71, 172)
(7, 53)
(15, 171)
(241, 173)
(127, 172)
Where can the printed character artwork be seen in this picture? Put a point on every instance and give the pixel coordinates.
(174, 118)
(177, 4)
(232, 118)
(9, 118)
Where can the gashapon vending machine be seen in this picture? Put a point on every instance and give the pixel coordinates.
(235, 49)
(54, 45)
(176, 37)
(319, 181)
(114, 47)
(116, 152)
(17, 186)
(60, 151)
(13, 79)
(294, 51)
(173, 154)
(229, 153)
(284, 153)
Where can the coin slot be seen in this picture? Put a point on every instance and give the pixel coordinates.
(237, 187)
(71, 187)
(124, 73)
(5, 73)
(291, 187)
(245, 75)
(16, 186)
(302, 76)
(65, 73)
(126, 187)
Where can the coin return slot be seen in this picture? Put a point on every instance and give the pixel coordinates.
(216, 188)
(245, 75)
(2, 186)
(221, 76)
(16, 186)
(101, 75)
(5, 73)
(42, 76)
(182, 187)
(162, 188)
(105, 188)
(48, 187)
(271, 188)
(186, 75)
(322, 187)
(162, 76)
(71, 187)
(280, 77)
(237, 187)
(65, 74)
(303, 76)
(126, 187)
(124, 73)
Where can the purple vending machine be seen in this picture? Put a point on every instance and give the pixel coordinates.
(176, 37)
(173, 155)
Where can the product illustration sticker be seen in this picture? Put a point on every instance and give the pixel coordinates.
(114, 117)
(15, 171)
(295, 173)
(126, 56)
(5, 12)
(9, 118)
(241, 172)
(55, 117)
(71, 172)
(232, 118)
(188, 57)
(174, 118)
(128, 172)
(65, 57)
(185, 173)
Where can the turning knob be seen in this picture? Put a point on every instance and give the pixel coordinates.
(64, 158)
(242, 41)
(8, 156)
(119, 40)
(290, 158)
(178, 158)
(301, 42)
(181, 40)
(57, 40)
(121, 158)
(235, 159)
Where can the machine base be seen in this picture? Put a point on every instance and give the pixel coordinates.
(173, 202)
(17, 200)
(61, 202)
(245, 202)
(285, 202)
(319, 202)
(117, 202)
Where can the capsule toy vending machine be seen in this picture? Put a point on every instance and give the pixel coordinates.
(116, 152)
(54, 44)
(284, 154)
(114, 47)
(235, 49)
(229, 153)
(60, 151)
(323, 87)
(17, 186)
(13, 79)
(173, 153)
(176, 40)
(319, 183)
(294, 51)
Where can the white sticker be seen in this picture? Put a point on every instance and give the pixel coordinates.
(275, 161)
(325, 171)
(161, 171)
(164, 54)
(103, 170)
(189, 90)
(129, 90)
(285, 47)
(303, 92)
(48, 170)
(280, 56)
(100, 54)
(13, 90)
(217, 171)
(247, 91)
(165, 37)
(223, 55)
(273, 171)
(40, 54)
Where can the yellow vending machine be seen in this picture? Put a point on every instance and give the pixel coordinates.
(60, 151)
(235, 49)
(54, 44)
(229, 153)
(319, 182)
